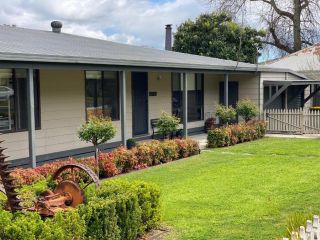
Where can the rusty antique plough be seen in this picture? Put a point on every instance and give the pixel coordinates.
(68, 192)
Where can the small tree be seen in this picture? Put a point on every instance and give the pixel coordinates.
(97, 130)
(225, 114)
(167, 124)
(247, 109)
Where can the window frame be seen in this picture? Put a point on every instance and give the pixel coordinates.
(181, 87)
(36, 82)
(118, 117)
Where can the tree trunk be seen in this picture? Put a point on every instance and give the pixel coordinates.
(97, 157)
(297, 45)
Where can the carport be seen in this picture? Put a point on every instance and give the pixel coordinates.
(288, 93)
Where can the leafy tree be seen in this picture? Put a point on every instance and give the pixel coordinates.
(247, 109)
(97, 130)
(217, 35)
(292, 24)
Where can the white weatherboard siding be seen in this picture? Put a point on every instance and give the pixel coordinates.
(248, 89)
(159, 82)
(278, 76)
(62, 99)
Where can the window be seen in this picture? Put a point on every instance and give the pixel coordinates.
(102, 94)
(13, 100)
(195, 96)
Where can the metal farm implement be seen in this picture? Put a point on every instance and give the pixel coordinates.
(67, 194)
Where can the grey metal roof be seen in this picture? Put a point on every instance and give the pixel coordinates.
(27, 45)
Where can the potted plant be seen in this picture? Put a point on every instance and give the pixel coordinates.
(247, 109)
(210, 124)
(131, 143)
(225, 114)
(167, 125)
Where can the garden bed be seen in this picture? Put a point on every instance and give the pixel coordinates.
(117, 210)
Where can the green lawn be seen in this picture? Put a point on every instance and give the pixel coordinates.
(241, 192)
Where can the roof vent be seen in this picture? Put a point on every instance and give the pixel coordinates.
(56, 26)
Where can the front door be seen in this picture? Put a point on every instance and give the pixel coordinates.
(139, 103)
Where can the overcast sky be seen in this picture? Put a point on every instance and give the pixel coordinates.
(139, 22)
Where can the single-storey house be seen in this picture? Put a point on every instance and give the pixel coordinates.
(50, 82)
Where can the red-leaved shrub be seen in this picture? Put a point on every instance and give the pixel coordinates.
(26, 176)
(120, 160)
(170, 150)
(236, 133)
(108, 166)
(125, 159)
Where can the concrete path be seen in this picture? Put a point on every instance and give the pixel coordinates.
(305, 136)
(201, 138)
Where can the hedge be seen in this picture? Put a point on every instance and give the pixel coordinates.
(28, 226)
(119, 210)
(237, 133)
(120, 160)
(140, 199)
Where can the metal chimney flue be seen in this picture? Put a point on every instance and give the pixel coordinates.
(56, 26)
(168, 43)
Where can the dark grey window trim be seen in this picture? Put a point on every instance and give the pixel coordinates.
(37, 100)
(202, 96)
(102, 77)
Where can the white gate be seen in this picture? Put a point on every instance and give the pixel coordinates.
(295, 121)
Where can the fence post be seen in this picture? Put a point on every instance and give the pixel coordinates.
(301, 121)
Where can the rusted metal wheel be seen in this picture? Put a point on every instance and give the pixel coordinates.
(71, 172)
(72, 189)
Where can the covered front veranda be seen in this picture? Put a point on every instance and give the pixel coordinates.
(224, 75)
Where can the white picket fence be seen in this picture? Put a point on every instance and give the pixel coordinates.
(296, 121)
(310, 232)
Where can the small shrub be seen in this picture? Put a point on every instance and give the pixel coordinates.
(145, 215)
(97, 131)
(209, 124)
(237, 133)
(101, 219)
(26, 176)
(29, 193)
(144, 154)
(225, 114)
(218, 137)
(125, 159)
(29, 225)
(108, 166)
(182, 148)
(131, 143)
(157, 152)
(64, 225)
(167, 124)
(193, 147)
(247, 109)
(170, 150)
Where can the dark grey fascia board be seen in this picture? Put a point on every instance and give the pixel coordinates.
(80, 66)
(125, 63)
(292, 82)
